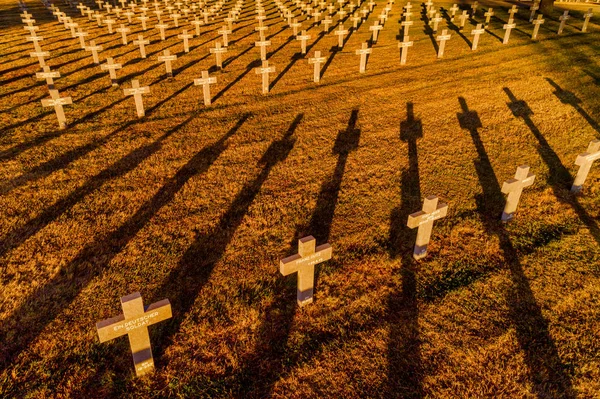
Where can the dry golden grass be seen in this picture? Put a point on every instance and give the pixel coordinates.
(198, 204)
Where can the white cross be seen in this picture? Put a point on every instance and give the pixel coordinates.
(508, 27)
(167, 58)
(217, 51)
(563, 20)
(185, 36)
(161, 27)
(587, 17)
(205, 82)
(48, 75)
(363, 51)
(40, 56)
(264, 70)
(123, 31)
(94, 49)
(303, 38)
(225, 32)
(57, 102)
(340, 34)
(375, 28)
(424, 219)
(141, 43)
(317, 60)
(263, 48)
(514, 187)
(136, 91)
(111, 66)
(442, 39)
(476, 32)
(539, 21)
(404, 45)
(585, 161)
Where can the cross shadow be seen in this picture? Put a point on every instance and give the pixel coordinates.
(549, 375)
(250, 67)
(265, 365)
(559, 177)
(567, 97)
(429, 32)
(24, 324)
(405, 369)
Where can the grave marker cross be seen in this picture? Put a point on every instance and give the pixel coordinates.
(585, 161)
(539, 21)
(264, 70)
(57, 102)
(442, 39)
(111, 66)
(136, 91)
(508, 27)
(514, 187)
(423, 219)
(205, 82)
(363, 52)
(317, 60)
(476, 32)
(167, 58)
(141, 43)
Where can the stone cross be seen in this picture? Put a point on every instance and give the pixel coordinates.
(225, 32)
(508, 27)
(205, 82)
(488, 16)
(585, 161)
(442, 39)
(93, 48)
(263, 48)
(136, 91)
(476, 32)
(134, 323)
(111, 67)
(586, 21)
(512, 12)
(304, 263)
(185, 36)
(514, 187)
(218, 51)
(40, 56)
(317, 60)
(432, 210)
(436, 21)
(537, 22)
(534, 7)
(303, 38)
(123, 31)
(340, 34)
(141, 43)
(563, 20)
(375, 28)
(57, 102)
(161, 27)
(48, 75)
(167, 58)
(363, 52)
(453, 11)
(404, 45)
(264, 70)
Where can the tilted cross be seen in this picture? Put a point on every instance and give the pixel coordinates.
(134, 323)
(514, 187)
(136, 91)
(508, 27)
(585, 161)
(363, 52)
(304, 263)
(317, 60)
(432, 210)
(539, 21)
(205, 82)
(57, 102)
(586, 21)
(563, 20)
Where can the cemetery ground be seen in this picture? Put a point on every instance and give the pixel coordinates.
(198, 204)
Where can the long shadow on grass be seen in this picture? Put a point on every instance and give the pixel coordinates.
(42, 306)
(272, 358)
(567, 97)
(549, 376)
(559, 177)
(405, 369)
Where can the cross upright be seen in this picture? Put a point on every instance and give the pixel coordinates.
(72, 26)
(143, 18)
(141, 42)
(537, 22)
(304, 263)
(205, 82)
(436, 21)
(218, 51)
(35, 40)
(453, 11)
(355, 20)
(185, 36)
(512, 12)
(586, 21)
(463, 18)
(263, 48)
(508, 27)
(136, 91)
(514, 187)
(134, 323)
(93, 48)
(167, 58)
(123, 31)
(476, 32)
(340, 34)
(442, 39)
(585, 161)
(406, 25)
(81, 7)
(175, 17)
(363, 52)
(225, 33)
(326, 22)
(432, 210)
(488, 16)
(111, 67)
(197, 23)
(295, 25)
(128, 14)
(48, 75)
(375, 28)
(109, 23)
(317, 60)
(161, 27)
(404, 45)
(58, 102)
(264, 70)
(563, 20)
(40, 56)
(303, 38)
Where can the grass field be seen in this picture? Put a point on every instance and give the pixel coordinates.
(198, 204)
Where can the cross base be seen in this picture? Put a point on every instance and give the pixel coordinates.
(420, 252)
(507, 217)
